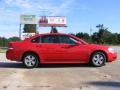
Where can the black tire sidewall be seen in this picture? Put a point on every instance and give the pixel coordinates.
(36, 60)
(104, 61)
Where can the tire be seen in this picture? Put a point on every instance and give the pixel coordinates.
(30, 60)
(98, 59)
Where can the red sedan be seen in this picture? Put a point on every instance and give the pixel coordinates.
(58, 48)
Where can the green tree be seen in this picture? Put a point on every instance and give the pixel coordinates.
(103, 34)
(95, 38)
(118, 38)
(79, 35)
(3, 42)
(115, 38)
(14, 39)
(29, 28)
(84, 36)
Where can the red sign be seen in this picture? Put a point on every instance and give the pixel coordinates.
(52, 21)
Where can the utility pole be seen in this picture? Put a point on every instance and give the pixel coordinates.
(91, 34)
(91, 31)
(20, 31)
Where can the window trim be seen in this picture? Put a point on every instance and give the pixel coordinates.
(35, 38)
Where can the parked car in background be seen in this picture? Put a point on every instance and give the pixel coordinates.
(57, 48)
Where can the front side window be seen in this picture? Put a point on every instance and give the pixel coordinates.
(67, 40)
(50, 39)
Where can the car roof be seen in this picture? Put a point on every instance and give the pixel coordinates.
(49, 34)
(53, 34)
(37, 35)
(45, 34)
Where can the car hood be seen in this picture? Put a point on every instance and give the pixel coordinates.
(95, 46)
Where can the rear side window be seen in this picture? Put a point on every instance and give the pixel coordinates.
(50, 39)
(36, 40)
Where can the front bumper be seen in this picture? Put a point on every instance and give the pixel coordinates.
(112, 57)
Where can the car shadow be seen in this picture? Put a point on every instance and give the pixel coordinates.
(113, 84)
(11, 65)
(20, 65)
(63, 65)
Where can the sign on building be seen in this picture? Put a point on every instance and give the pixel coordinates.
(26, 35)
(52, 21)
(28, 19)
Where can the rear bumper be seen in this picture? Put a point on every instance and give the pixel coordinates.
(12, 55)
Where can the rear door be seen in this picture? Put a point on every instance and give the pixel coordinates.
(49, 47)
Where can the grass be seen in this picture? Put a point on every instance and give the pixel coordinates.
(2, 50)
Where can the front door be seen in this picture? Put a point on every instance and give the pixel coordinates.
(70, 51)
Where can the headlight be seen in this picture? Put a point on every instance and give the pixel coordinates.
(111, 50)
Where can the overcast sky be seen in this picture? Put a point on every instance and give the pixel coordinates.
(81, 14)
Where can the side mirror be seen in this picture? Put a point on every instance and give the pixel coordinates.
(76, 44)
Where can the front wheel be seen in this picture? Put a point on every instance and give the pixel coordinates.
(30, 60)
(98, 59)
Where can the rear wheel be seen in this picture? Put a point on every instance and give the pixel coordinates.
(98, 59)
(30, 60)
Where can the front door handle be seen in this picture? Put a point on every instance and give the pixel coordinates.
(64, 46)
(68, 46)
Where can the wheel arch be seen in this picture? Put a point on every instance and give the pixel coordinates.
(99, 51)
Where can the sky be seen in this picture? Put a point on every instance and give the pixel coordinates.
(82, 15)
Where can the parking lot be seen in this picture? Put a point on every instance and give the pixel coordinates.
(13, 76)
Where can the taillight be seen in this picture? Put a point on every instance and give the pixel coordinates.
(10, 46)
